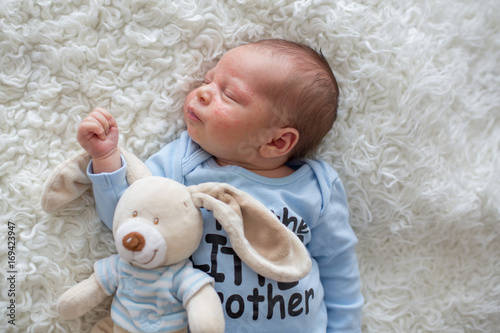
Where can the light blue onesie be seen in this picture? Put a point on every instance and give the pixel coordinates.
(311, 202)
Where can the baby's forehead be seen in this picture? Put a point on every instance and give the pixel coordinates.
(250, 51)
(255, 66)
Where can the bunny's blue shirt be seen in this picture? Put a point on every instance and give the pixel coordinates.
(149, 300)
(311, 202)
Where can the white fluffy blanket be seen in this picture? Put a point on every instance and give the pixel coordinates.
(416, 143)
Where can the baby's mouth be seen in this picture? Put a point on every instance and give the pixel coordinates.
(191, 114)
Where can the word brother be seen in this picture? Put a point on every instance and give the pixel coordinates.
(268, 300)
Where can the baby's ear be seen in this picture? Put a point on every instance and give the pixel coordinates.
(281, 143)
(257, 236)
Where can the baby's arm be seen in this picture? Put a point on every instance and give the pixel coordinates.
(109, 186)
(98, 135)
(334, 249)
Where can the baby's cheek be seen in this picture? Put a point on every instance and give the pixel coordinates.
(223, 117)
(219, 109)
(226, 122)
(190, 97)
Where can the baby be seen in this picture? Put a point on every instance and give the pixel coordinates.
(261, 110)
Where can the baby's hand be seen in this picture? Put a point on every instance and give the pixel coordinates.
(98, 135)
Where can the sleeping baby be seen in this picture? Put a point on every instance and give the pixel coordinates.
(261, 110)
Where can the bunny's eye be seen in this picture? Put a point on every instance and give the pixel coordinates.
(156, 220)
(134, 214)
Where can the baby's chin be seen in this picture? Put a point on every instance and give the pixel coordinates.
(198, 139)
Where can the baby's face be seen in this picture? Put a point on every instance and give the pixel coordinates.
(228, 115)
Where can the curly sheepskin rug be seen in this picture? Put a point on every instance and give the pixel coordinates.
(416, 143)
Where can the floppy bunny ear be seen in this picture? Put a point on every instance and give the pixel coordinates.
(257, 236)
(69, 180)
(136, 169)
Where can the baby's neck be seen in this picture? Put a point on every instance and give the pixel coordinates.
(272, 171)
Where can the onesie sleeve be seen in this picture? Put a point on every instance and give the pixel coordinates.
(108, 188)
(333, 247)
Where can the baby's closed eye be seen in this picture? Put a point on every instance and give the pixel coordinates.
(230, 95)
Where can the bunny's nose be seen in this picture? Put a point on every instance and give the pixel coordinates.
(134, 241)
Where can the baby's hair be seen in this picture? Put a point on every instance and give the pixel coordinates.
(308, 99)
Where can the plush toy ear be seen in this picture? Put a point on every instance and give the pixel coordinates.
(257, 236)
(136, 169)
(69, 180)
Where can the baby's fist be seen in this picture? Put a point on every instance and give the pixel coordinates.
(98, 133)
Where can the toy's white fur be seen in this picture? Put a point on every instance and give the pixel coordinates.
(416, 142)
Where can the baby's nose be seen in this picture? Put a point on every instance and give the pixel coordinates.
(204, 94)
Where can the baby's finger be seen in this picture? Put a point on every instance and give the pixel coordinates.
(89, 127)
(94, 126)
(107, 115)
(101, 119)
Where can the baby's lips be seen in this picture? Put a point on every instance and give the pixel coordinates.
(191, 114)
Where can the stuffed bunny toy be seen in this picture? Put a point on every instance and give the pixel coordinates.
(157, 226)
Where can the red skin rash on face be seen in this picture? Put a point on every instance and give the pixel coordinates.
(232, 110)
(239, 89)
(219, 107)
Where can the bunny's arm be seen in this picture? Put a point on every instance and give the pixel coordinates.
(205, 311)
(81, 298)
